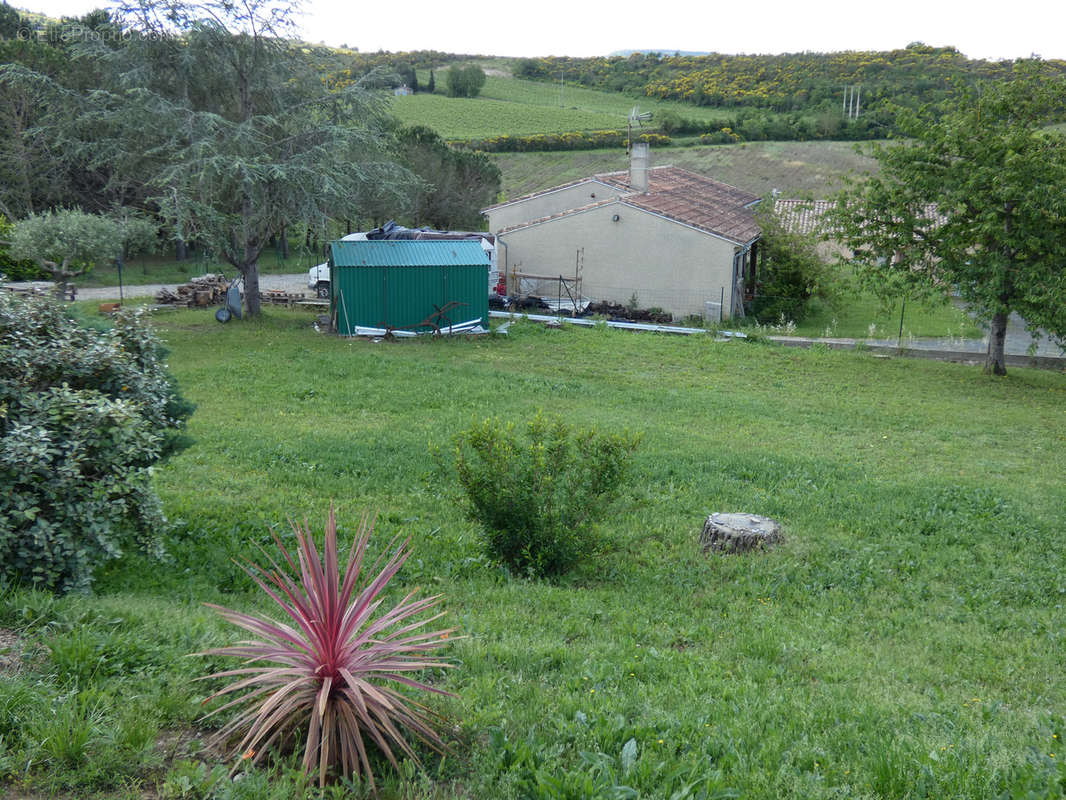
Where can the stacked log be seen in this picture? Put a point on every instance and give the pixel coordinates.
(203, 290)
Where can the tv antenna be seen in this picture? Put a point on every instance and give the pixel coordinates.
(635, 117)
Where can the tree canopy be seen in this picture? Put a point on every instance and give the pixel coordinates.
(245, 136)
(972, 203)
(70, 242)
(465, 81)
(206, 114)
(457, 183)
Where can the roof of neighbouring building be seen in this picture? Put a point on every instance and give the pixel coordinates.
(808, 216)
(408, 253)
(802, 216)
(677, 194)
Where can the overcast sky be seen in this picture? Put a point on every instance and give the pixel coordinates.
(979, 28)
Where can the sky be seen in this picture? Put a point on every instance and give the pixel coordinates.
(979, 28)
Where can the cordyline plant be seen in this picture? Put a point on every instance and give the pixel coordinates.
(326, 667)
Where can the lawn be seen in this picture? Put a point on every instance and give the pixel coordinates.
(861, 315)
(905, 641)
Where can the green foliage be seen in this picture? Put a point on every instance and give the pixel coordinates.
(910, 76)
(67, 242)
(12, 268)
(789, 273)
(84, 415)
(970, 203)
(545, 142)
(537, 496)
(458, 183)
(10, 21)
(232, 134)
(465, 81)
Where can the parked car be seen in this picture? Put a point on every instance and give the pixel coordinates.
(318, 279)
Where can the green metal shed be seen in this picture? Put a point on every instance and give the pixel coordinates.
(408, 285)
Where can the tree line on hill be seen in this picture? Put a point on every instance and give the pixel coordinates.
(211, 122)
(850, 84)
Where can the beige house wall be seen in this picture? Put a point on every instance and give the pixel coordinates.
(664, 263)
(549, 203)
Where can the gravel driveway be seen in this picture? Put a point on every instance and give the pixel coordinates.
(286, 283)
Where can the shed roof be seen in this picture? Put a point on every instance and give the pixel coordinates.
(407, 253)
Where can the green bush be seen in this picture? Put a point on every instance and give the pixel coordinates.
(537, 496)
(545, 142)
(790, 273)
(465, 81)
(84, 415)
(12, 268)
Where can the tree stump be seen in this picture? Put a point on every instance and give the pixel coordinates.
(739, 533)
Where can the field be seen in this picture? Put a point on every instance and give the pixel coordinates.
(516, 107)
(905, 641)
(798, 169)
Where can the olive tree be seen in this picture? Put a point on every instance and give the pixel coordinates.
(69, 242)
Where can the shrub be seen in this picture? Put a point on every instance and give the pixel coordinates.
(325, 667)
(83, 416)
(538, 498)
(790, 273)
(544, 142)
(11, 268)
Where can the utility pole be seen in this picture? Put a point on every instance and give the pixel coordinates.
(852, 101)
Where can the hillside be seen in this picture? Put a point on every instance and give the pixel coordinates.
(798, 169)
(909, 76)
(516, 107)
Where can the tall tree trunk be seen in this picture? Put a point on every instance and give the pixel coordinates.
(181, 250)
(284, 239)
(996, 363)
(250, 271)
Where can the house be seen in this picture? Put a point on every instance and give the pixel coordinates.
(663, 237)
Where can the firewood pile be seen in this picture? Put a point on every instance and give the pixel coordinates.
(203, 290)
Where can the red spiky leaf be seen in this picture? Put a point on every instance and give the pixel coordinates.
(329, 665)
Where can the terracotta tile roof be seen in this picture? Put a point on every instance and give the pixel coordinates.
(679, 195)
(808, 216)
(676, 179)
(802, 216)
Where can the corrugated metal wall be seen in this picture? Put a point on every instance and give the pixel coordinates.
(398, 284)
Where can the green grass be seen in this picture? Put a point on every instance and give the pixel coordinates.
(481, 117)
(797, 169)
(905, 641)
(518, 107)
(863, 316)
